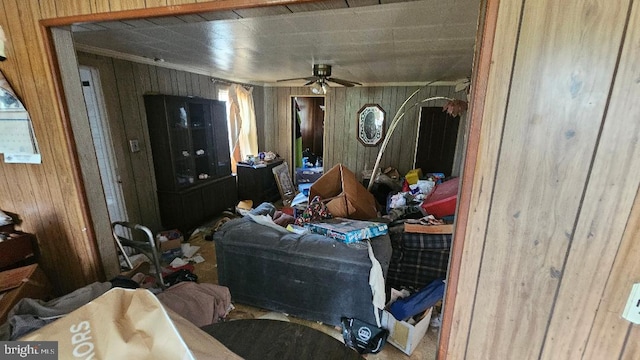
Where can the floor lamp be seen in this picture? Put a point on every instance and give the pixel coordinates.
(454, 107)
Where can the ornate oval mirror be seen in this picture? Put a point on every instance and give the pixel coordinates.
(371, 124)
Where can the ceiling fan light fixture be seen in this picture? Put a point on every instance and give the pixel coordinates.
(321, 78)
(317, 88)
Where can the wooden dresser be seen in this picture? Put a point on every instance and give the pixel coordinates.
(258, 183)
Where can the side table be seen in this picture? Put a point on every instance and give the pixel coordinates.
(257, 183)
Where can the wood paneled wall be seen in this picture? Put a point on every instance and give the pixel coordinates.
(341, 144)
(550, 247)
(546, 261)
(124, 83)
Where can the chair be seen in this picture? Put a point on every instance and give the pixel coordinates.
(148, 248)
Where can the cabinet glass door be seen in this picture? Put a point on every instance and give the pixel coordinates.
(181, 146)
(200, 116)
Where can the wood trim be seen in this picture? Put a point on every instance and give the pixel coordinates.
(172, 10)
(56, 78)
(485, 37)
(481, 72)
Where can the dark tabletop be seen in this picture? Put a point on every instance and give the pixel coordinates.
(265, 339)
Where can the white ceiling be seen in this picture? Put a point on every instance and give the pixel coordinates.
(381, 44)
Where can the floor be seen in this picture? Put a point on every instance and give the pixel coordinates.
(207, 273)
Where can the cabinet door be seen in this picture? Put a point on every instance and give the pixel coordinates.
(180, 142)
(202, 139)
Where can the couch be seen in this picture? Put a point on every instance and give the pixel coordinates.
(417, 258)
(305, 275)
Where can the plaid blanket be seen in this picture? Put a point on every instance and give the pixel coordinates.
(417, 259)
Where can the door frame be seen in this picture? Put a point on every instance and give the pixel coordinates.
(293, 128)
(459, 137)
(480, 74)
(111, 163)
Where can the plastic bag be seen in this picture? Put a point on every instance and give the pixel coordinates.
(316, 211)
(120, 324)
(403, 309)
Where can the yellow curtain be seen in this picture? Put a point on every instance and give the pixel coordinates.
(242, 124)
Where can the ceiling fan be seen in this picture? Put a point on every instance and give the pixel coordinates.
(320, 80)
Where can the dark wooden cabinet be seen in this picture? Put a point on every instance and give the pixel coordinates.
(190, 146)
(258, 183)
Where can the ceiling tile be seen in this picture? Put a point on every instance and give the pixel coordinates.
(395, 42)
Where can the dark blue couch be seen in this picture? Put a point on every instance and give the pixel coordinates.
(308, 276)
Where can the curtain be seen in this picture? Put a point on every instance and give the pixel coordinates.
(242, 124)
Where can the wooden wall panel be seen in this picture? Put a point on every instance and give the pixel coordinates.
(342, 105)
(558, 65)
(598, 233)
(267, 142)
(525, 247)
(507, 24)
(154, 3)
(73, 7)
(127, 5)
(53, 209)
(611, 333)
(86, 151)
(98, 6)
(334, 123)
(48, 8)
(531, 307)
(124, 85)
(117, 127)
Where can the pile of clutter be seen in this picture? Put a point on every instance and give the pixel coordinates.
(408, 315)
(429, 197)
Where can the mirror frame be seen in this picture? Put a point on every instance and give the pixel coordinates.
(364, 116)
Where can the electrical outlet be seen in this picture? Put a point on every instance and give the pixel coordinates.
(134, 146)
(632, 310)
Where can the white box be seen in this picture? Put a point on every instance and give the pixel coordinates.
(403, 335)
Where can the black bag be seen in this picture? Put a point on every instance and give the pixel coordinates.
(363, 337)
(179, 276)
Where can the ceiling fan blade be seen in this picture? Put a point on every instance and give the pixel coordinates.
(342, 82)
(310, 82)
(312, 78)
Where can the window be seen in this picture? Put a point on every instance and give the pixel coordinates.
(223, 95)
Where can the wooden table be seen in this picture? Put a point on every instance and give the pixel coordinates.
(265, 339)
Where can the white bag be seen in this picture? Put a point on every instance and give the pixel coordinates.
(120, 324)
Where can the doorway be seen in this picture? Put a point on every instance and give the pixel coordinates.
(103, 144)
(308, 117)
(473, 146)
(437, 139)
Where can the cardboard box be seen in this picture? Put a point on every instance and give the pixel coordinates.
(346, 197)
(348, 230)
(24, 282)
(403, 335)
(174, 240)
